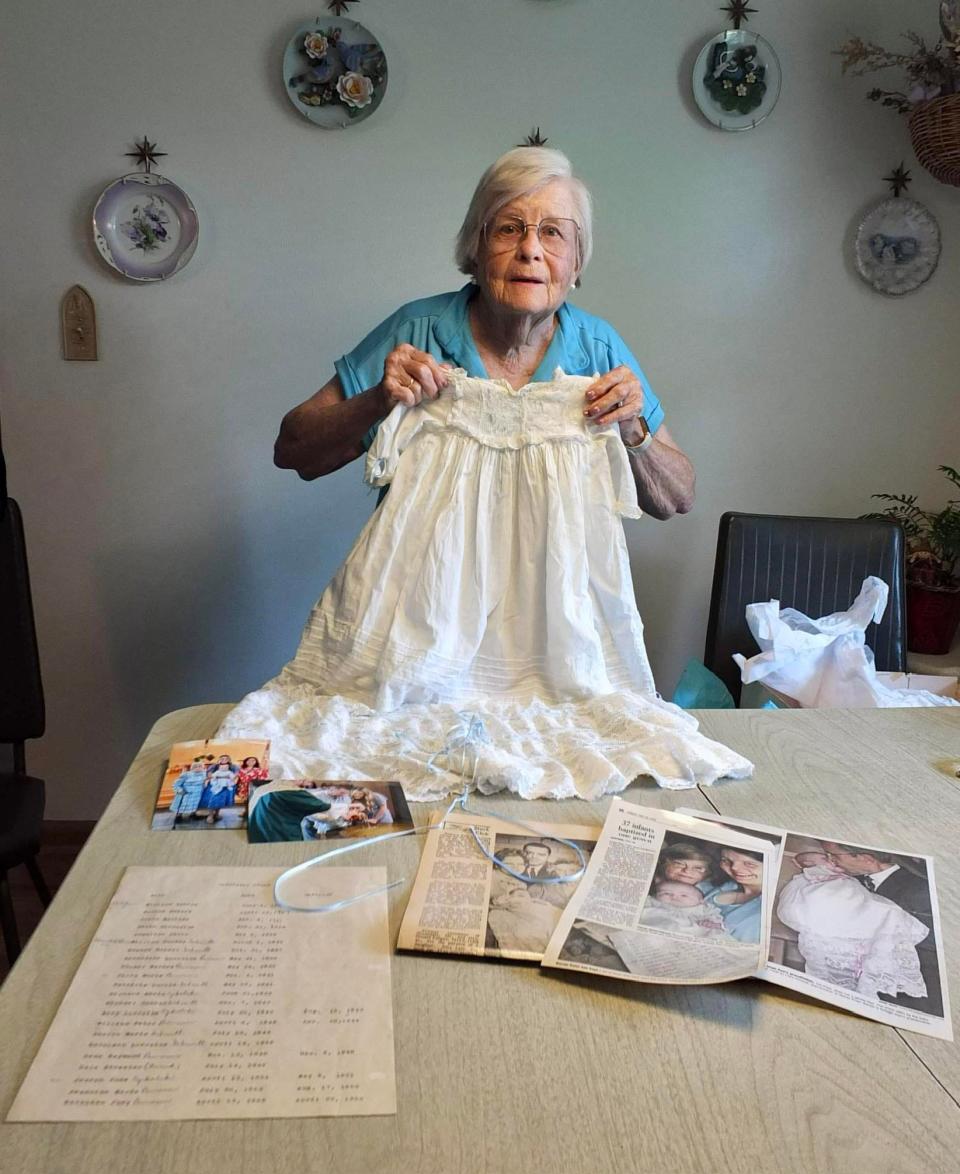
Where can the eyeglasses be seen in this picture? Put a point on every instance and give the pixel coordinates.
(557, 234)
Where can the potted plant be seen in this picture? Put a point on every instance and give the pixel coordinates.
(933, 567)
(931, 94)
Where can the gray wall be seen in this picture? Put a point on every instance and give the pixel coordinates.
(172, 564)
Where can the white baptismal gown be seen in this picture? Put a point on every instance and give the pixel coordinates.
(699, 921)
(853, 938)
(484, 624)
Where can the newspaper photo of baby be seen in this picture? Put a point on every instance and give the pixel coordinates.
(859, 919)
(687, 875)
(485, 888)
(854, 926)
(668, 898)
(523, 913)
(700, 889)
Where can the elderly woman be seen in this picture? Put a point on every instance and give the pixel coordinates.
(483, 629)
(524, 242)
(689, 864)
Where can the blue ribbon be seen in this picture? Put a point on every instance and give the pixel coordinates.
(470, 732)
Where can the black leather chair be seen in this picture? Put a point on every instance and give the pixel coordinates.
(816, 565)
(21, 716)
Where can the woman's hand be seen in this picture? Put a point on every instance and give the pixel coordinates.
(327, 431)
(616, 397)
(409, 376)
(662, 471)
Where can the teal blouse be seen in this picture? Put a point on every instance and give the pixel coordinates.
(439, 325)
(740, 921)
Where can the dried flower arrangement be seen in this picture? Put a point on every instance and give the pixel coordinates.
(932, 71)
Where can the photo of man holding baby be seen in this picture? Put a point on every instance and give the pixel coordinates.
(860, 919)
(524, 908)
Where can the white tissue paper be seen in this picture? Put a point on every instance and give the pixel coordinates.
(825, 663)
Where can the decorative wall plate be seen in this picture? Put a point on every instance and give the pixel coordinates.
(736, 80)
(897, 245)
(334, 72)
(145, 227)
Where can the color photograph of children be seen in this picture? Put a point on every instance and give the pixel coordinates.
(319, 809)
(523, 910)
(250, 774)
(859, 919)
(205, 784)
(220, 788)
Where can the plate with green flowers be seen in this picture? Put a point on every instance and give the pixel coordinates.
(334, 72)
(736, 80)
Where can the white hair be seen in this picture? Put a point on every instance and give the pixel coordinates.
(518, 173)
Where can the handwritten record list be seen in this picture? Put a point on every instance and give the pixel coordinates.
(199, 998)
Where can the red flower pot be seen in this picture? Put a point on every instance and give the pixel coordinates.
(932, 619)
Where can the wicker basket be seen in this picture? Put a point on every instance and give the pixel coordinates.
(935, 131)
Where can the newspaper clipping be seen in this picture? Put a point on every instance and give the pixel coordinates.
(670, 899)
(858, 927)
(462, 903)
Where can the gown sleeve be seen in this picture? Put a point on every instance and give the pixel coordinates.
(392, 437)
(403, 424)
(624, 486)
(792, 906)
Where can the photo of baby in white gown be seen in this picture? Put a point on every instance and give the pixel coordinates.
(518, 920)
(849, 936)
(682, 908)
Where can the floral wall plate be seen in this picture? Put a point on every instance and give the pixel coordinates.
(897, 246)
(736, 80)
(334, 72)
(145, 227)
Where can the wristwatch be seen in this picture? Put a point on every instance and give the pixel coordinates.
(646, 438)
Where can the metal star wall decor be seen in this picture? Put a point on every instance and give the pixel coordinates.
(534, 139)
(739, 10)
(146, 154)
(898, 180)
(897, 244)
(144, 225)
(339, 7)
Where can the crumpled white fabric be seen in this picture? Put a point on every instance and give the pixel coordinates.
(484, 628)
(825, 663)
(537, 749)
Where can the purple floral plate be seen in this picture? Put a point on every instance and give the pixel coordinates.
(145, 227)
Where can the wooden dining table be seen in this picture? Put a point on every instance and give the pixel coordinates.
(506, 1067)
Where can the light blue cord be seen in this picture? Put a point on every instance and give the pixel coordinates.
(469, 732)
(527, 880)
(367, 843)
